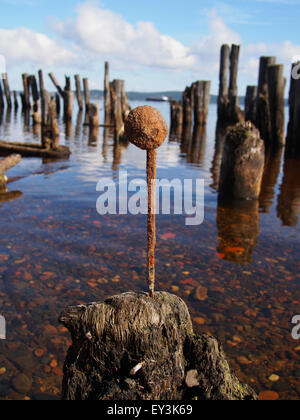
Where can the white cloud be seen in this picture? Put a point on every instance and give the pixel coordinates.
(104, 33)
(23, 45)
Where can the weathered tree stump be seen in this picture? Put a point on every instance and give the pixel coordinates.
(243, 163)
(50, 128)
(132, 347)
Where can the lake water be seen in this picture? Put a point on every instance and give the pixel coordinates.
(55, 251)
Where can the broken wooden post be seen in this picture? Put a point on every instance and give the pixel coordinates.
(50, 128)
(67, 96)
(251, 104)
(263, 120)
(5, 165)
(6, 90)
(36, 111)
(57, 101)
(134, 348)
(201, 101)
(78, 91)
(116, 101)
(1, 98)
(224, 75)
(146, 128)
(293, 136)
(197, 147)
(16, 103)
(25, 97)
(243, 163)
(176, 120)
(107, 96)
(276, 90)
(187, 107)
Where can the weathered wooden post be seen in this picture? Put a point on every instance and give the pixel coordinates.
(243, 163)
(176, 120)
(293, 136)
(86, 99)
(201, 101)
(1, 98)
(67, 96)
(187, 107)
(233, 82)
(16, 103)
(94, 122)
(221, 132)
(251, 104)
(124, 100)
(107, 98)
(276, 90)
(57, 101)
(6, 90)
(50, 128)
(78, 91)
(263, 120)
(197, 147)
(26, 99)
(41, 83)
(146, 128)
(116, 95)
(223, 89)
(36, 112)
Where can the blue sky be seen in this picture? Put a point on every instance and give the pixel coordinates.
(157, 45)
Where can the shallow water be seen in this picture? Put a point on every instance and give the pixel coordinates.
(55, 251)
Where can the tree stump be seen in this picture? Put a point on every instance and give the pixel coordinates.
(132, 347)
(243, 163)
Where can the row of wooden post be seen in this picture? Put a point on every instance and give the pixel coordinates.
(45, 109)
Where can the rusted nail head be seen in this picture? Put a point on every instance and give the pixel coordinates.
(146, 128)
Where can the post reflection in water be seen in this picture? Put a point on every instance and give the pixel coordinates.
(9, 196)
(93, 136)
(218, 155)
(238, 227)
(270, 179)
(289, 198)
(119, 147)
(78, 124)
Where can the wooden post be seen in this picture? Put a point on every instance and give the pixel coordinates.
(233, 83)
(224, 74)
(176, 120)
(41, 83)
(124, 100)
(276, 90)
(6, 90)
(107, 98)
(94, 115)
(50, 128)
(201, 102)
(242, 164)
(117, 108)
(1, 98)
(263, 120)
(251, 104)
(293, 136)
(16, 103)
(57, 101)
(26, 99)
(67, 96)
(197, 147)
(86, 99)
(187, 107)
(78, 91)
